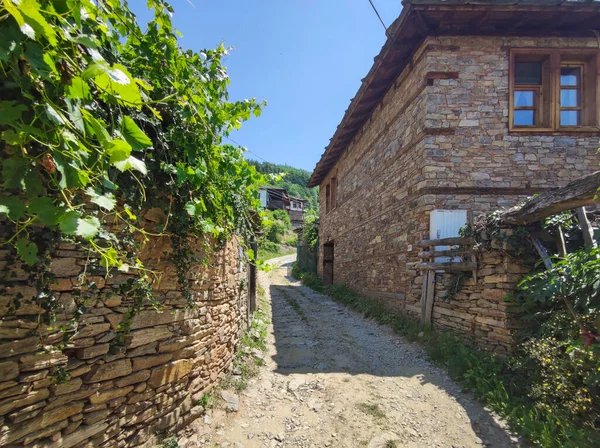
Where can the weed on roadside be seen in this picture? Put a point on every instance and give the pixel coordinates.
(207, 401)
(253, 343)
(294, 304)
(371, 409)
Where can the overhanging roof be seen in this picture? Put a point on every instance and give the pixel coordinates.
(422, 18)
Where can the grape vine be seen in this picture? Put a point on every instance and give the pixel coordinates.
(101, 119)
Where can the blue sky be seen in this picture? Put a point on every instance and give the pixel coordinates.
(305, 57)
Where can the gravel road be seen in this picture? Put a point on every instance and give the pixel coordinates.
(334, 379)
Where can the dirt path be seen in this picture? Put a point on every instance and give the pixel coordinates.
(334, 379)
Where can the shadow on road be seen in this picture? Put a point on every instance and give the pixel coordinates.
(314, 334)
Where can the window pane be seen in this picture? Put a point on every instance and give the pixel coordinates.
(524, 98)
(570, 76)
(569, 98)
(524, 117)
(528, 73)
(570, 117)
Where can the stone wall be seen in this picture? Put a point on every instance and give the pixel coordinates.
(439, 143)
(119, 392)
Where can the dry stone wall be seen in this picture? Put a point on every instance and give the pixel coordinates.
(121, 391)
(440, 140)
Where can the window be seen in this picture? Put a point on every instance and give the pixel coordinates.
(333, 192)
(554, 90)
(331, 195)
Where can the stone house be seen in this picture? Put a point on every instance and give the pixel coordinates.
(469, 107)
(276, 198)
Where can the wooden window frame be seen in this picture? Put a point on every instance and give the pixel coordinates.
(327, 198)
(559, 58)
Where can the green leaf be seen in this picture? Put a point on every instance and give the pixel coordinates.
(79, 89)
(45, 210)
(88, 227)
(95, 69)
(109, 258)
(27, 251)
(30, 9)
(33, 184)
(71, 176)
(134, 135)
(131, 163)
(13, 172)
(118, 150)
(98, 128)
(12, 138)
(12, 207)
(106, 201)
(71, 224)
(55, 115)
(10, 112)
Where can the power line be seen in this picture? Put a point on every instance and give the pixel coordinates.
(251, 152)
(378, 16)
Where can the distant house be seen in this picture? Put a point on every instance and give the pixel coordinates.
(470, 106)
(275, 198)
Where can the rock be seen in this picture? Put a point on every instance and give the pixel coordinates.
(112, 301)
(82, 434)
(134, 378)
(107, 395)
(40, 361)
(295, 384)
(152, 318)
(146, 335)
(170, 373)
(42, 421)
(208, 420)
(20, 346)
(9, 370)
(146, 362)
(108, 371)
(232, 401)
(72, 386)
(65, 267)
(89, 331)
(93, 351)
(381, 440)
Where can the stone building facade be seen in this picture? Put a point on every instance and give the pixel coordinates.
(439, 138)
(100, 391)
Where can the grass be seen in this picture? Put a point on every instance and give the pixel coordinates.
(371, 409)
(245, 362)
(294, 304)
(493, 380)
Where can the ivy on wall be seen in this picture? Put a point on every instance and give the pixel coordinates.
(100, 119)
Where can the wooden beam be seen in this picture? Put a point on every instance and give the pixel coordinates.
(454, 241)
(586, 229)
(463, 266)
(579, 193)
(444, 253)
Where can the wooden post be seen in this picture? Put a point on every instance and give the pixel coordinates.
(586, 229)
(560, 242)
(430, 296)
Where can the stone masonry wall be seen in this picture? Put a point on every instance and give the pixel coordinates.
(442, 144)
(118, 393)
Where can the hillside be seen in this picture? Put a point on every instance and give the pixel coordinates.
(294, 181)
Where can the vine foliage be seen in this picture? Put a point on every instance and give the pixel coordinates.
(100, 118)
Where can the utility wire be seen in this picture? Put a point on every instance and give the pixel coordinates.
(251, 152)
(378, 16)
